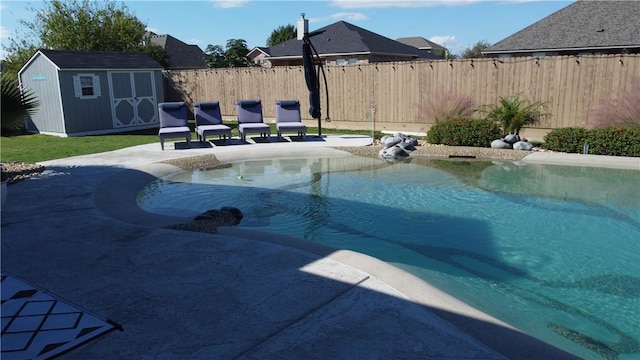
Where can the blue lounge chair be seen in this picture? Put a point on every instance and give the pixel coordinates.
(250, 119)
(288, 118)
(173, 122)
(209, 120)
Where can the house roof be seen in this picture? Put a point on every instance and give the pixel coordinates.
(257, 50)
(179, 55)
(345, 38)
(64, 59)
(419, 42)
(583, 25)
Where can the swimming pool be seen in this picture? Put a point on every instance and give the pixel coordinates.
(552, 250)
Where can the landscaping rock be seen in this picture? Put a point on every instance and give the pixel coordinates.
(398, 146)
(500, 144)
(511, 139)
(522, 145)
(391, 141)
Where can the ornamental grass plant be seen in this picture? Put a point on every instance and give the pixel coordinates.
(447, 105)
(622, 110)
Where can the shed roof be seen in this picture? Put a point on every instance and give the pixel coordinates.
(67, 60)
(581, 25)
(345, 38)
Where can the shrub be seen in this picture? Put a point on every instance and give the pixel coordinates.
(614, 141)
(512, 113)
(622, 110)
(447, 105)
(464, 132)
(569, 140)
(602, 141)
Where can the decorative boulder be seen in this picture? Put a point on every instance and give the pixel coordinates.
(511, 139)
(500, 144)
(391, 141)
(522, 145)
(397, 146)
(406, 146)
(393, 152)
(411, 141)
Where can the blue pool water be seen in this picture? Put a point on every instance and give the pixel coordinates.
(552, 250)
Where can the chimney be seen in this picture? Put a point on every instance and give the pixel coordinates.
(303, 26)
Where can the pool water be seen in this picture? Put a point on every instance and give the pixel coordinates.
(552, 250)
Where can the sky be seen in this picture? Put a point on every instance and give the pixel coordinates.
(455, 24)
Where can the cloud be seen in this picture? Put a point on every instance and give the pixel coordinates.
(195, 41)
(350, 16)
(4, 33)
(444, 40)
(226, 4)
(361, 4)
(450, 42)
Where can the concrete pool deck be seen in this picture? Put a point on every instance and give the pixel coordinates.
(76, 231)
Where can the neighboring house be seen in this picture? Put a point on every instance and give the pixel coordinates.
(92, 92)
(259, 55)
(429, 47)
(179, 56)
(582, 28)
(342, 43)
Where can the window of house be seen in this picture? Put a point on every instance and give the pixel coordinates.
(340, 61)
(86, 86)
(353, 61)
(539, 54)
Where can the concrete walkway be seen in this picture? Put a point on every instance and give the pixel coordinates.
(77, 232)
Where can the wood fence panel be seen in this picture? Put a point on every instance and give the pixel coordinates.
(571, 87)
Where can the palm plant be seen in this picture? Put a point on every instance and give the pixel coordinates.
(16, 104)
(512, 113)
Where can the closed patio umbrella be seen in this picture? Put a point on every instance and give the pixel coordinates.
(312, 83)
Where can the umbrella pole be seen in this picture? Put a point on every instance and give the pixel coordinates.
(316, 57)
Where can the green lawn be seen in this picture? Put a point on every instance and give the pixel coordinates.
(32, 148)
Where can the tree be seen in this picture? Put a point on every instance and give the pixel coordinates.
(282, 34)
(475, 51)
(78, 25)
(214, 56)
(156, 52)
(87, 25)
(236, 53)
(445, 54)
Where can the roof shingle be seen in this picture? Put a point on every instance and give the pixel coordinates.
(584, 24)
(100, 59)
(345, 38)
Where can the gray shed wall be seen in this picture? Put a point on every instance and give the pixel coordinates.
(41, 77)
(85, 115)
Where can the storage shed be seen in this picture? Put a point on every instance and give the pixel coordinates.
(92, 92)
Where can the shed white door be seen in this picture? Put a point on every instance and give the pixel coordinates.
(133, 98)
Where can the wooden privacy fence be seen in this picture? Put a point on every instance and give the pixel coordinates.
(569, 86)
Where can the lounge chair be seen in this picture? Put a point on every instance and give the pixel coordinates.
(250, 119)
(173, 122)
(209, 121)
(288, 118)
